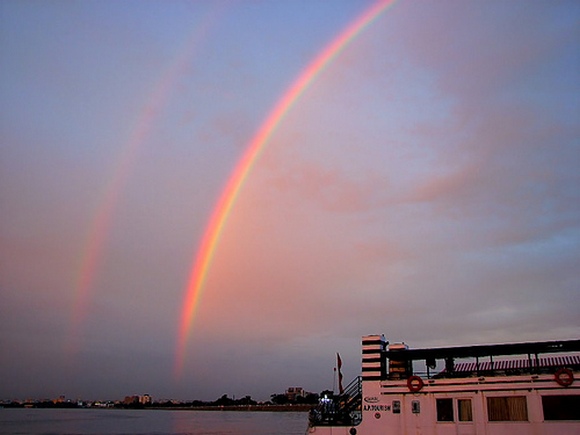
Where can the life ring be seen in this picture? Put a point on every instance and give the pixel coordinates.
(415, 383)
(564, 377)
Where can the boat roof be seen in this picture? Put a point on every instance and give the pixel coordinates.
(485, 350)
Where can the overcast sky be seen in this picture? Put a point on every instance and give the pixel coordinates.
(425, 186)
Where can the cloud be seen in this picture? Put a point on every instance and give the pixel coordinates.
(329, 188)
(424, 186)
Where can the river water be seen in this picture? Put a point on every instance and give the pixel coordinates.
(149, 422)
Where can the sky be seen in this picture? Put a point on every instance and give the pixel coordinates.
(424, 185)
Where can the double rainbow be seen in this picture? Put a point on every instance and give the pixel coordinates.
(209, 243)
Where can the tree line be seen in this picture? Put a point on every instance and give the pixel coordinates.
(222, 401)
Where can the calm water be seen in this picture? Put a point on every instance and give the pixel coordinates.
(149, 422)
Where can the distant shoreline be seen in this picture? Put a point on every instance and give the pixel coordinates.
(242, 408)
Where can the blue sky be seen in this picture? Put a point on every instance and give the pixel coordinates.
(425, 186)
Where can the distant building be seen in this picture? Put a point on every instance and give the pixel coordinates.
(145, 399)
(293, 392)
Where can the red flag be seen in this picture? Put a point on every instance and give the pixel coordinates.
(339, 365)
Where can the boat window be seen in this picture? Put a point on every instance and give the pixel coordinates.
(512, 408)
(416, 406)
(561, 407)
(464, 410)
(444, 409)
(396, 406)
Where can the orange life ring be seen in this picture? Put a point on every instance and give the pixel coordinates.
(564, 377)
(415, 383)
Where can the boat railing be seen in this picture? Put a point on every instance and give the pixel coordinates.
(341, 410)
(480, 360)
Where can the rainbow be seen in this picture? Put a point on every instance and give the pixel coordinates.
(221, 211)
(94, 246)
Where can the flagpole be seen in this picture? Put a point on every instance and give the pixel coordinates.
(339, 367)
(334, 380)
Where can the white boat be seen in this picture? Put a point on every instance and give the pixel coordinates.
(517, 388)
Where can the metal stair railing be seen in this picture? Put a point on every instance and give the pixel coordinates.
(350, 402)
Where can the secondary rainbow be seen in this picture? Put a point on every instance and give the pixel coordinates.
(94, 246)
(210, 239)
